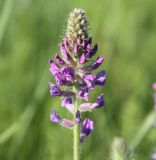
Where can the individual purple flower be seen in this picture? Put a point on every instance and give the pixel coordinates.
(84, 93)
(68, 72)
(54, 90)
(95, 64)
(88, 79)
(60, 79)
(59, 59)
(65, 54)
(86, 128)
(93, 51)
(91, 106)
(83, 59)
(67, 123)
(78, 117)
(67, 102)
(54, 68)
(100, 78)
(54, 117)
(99, 102)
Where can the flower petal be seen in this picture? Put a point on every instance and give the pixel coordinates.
(54, 117)
(54, 90)
(86, 128)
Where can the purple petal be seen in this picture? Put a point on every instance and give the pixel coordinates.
(67, 123)
(54, 117)
(54, 68)
(90, 77)
(68, 73)
(89, 80)
(95, 64)
(84, 93)
(89, 48)
(100, 78)
(59, 59)
(75, 48)
(99, 102)
(65, 54)
(60, 79)
(85, 107)
(67, 102)
(82, 58)
(83, 43)
(63, 50)
(54, 90)
(78, 117)
(79, 40)
(86, 128)
(93, 51)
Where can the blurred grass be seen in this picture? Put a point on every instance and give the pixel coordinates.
(30, 32)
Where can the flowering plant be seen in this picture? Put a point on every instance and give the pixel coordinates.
(74, 78)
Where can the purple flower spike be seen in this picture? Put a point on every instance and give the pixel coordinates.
(84, 93)
(99, 102)
(59, 59)
(54, 117)
(73, 75)
(100, 78)
(54, 90)
(86, 128)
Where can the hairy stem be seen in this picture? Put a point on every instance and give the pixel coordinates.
(76, 139)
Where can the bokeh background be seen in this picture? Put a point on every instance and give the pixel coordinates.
(30, 33)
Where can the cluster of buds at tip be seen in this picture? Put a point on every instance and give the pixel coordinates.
(73, 74)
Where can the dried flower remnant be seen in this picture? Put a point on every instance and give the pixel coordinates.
(73, 72)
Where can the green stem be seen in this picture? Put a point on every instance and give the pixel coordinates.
(76, 139)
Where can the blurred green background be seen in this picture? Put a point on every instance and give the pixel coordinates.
(30, 33)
